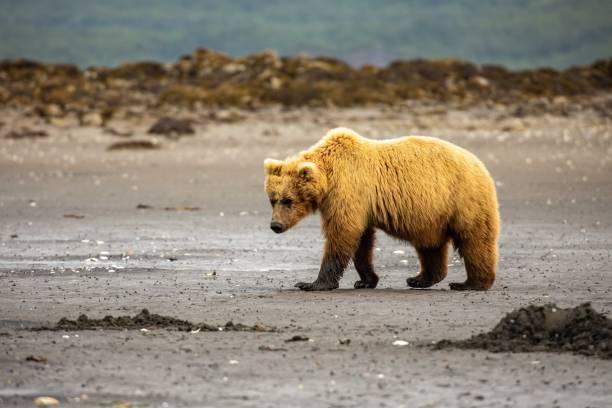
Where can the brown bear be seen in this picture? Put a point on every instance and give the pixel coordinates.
(420, 189)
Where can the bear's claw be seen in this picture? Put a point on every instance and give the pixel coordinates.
(365, 284)
(465, 286)
(314, 286)
(418, 282)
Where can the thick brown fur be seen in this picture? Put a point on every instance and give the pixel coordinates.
(419, 189)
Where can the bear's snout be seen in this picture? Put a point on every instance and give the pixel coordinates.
(277, 227)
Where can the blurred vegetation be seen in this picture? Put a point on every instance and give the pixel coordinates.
(518, 33)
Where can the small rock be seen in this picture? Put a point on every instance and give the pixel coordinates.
(36, 359)
(276, 83)
(49, 111)
(297, 338)
(172, 127)
(233, 68)
(116, 132)
(94, 119)
(122, 404)
(75, 216)
(134, 145)
(184, 208)
(227, 116)
(271, 348)
(60, 122)
(481, 81)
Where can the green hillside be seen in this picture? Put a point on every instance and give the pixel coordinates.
(520, 33)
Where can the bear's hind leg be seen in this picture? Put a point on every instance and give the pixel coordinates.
(433, 266)
(363, 258)
(480, 260)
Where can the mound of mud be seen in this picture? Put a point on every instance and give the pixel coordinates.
(580, 330)
(210, 79)
(146, 320)
(172, 127)
(26, 133)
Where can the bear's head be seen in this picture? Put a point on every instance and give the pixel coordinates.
(295, 189)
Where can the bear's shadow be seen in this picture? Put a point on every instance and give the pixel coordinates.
(373, 292)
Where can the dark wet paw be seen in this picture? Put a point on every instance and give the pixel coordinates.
(315, 286)
(464, 286)
(365, 284)
(418, 282)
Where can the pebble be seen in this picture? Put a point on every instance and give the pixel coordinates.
(46, 401)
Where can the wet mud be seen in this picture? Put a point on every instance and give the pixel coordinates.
(134, 145)
(147, 320)
(580, 330)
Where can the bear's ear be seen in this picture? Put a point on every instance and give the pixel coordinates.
(273, 166)
(307, 170)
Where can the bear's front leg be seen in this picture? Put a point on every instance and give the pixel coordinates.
(329, 276)
(333, 265)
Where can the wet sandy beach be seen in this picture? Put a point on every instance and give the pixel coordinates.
(73, 240)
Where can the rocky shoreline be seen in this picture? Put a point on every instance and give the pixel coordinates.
(207, 79)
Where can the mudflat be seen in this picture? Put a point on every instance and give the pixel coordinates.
(182, 229)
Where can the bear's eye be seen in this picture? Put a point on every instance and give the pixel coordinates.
(272, 202)
(287, 202)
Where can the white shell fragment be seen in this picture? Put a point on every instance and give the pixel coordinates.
(46, 401)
